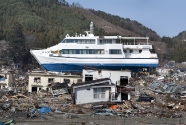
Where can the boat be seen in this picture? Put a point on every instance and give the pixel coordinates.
(74, 53)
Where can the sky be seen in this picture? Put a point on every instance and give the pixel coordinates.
(165, 17)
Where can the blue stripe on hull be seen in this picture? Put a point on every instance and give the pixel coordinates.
(79, 68)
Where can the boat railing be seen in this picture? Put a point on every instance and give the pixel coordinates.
(136, 44)
(124, 43)
(136, 38)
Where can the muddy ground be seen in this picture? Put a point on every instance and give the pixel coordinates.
(61, 119)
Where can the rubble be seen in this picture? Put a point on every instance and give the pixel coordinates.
(162, 87)
(150, 97)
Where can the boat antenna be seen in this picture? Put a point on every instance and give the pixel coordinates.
(91, 28)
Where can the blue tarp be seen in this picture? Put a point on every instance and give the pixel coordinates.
(2, 123)
(45, 110)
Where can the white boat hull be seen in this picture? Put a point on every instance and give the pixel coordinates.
(70, 64)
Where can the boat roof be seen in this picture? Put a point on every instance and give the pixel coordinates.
(82, 36)
(90, 35)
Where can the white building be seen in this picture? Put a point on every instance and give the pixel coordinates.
(40, 80)
(100, 90)
(117, 77)
(6, 79)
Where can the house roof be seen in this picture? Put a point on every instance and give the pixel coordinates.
(104, 81)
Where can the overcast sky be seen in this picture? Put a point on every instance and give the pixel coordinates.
(165, 17)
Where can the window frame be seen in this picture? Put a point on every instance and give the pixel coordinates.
(115, 51)
(2, 78)
(50, 80)
(37, 79)
(99, 93)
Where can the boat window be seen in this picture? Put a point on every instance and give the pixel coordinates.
(93, 51)
(79, 41)
(86, 41)
(102, 52)
(72, 41)
(64, 41)
(115, 51)
(99, 51)
(77, 51)
(125, 51)
(82, 51)
(131, 51)
(140, 51)
(65, 51)
(69, 41)
(92, 41)
(83, 41)
(72, 51)
(68, 51)
(105, 41)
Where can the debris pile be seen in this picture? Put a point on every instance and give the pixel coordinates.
(151, 97)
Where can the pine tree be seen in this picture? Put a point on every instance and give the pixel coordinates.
(16, 41)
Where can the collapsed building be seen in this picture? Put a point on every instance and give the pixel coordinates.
(119, 78)
(42, 80)
(100, 90)
(6, 79)
(163, 87)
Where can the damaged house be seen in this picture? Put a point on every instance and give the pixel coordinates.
(6, 79)
(58, 89)
(100, 90)
(118, 77)
(42, 80)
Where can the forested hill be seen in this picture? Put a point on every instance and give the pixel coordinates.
(28, 24)
(180, 37)
(46, 20)
(50, 20)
